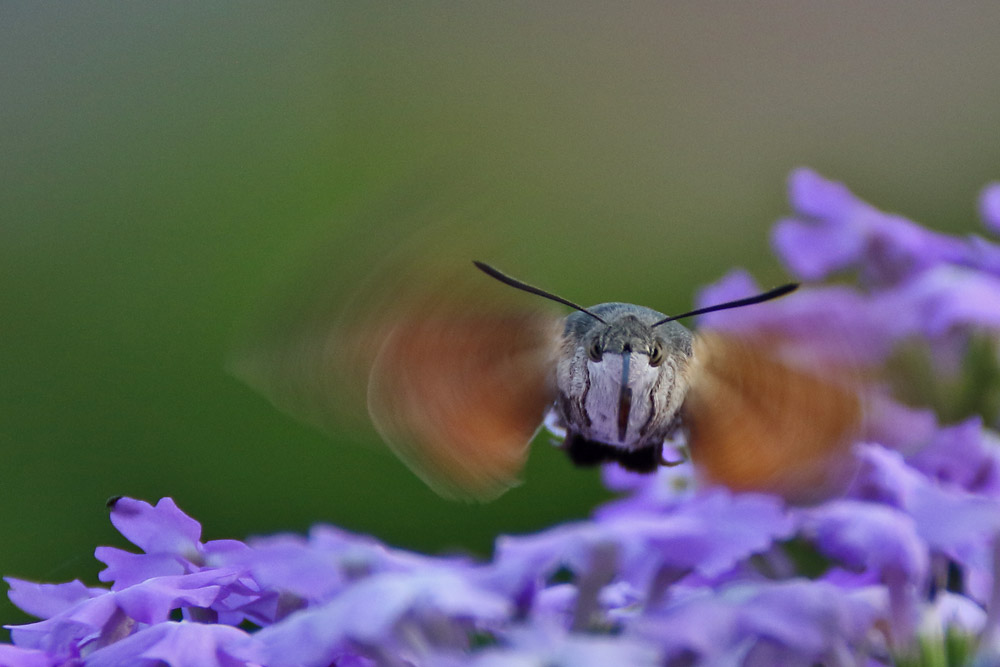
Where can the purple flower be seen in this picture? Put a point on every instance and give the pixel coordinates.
(962, 527)
(665, 488)
(546, 644)
(833, 230)
(668, 572)
(103, 619)
(401, 612)
(48, 600)
(25, 657)
(989, 206)
(942, 299)
(898, 426)
(708, 536)
(964, 456)
(868, 537)
(790, 622)
(181, 645)
(879, 543)
(816, 324)
(829, 234)
(951, 612)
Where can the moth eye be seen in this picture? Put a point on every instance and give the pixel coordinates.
(595, 352)
(656, 355)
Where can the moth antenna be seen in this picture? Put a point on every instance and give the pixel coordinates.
(514, 282)
(738, 303)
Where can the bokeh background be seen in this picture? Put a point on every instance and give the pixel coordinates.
(167, 170)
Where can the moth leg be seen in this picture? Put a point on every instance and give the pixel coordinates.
(670, 464)
(672, 430)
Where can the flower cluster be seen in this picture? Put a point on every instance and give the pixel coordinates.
(904, 567)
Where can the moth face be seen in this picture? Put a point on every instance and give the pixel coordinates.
(621, 383)
(620, 403)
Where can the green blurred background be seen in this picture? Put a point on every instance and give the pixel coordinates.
(164, 167)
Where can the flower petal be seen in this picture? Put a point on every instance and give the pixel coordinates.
(160, 529)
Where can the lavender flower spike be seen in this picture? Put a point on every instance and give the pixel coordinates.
(903, 568)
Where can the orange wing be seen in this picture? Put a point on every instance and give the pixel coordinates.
(755, 422)
(459, 397)
(456, 377)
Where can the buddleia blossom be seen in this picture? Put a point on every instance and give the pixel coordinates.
(902, 568)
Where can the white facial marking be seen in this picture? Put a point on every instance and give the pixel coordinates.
(603, 399)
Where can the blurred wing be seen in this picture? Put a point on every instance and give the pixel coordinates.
(755, 422)
(459, 396)
(455, 374)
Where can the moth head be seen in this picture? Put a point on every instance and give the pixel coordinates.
(623, 370)
(629, 329)
(623, 376)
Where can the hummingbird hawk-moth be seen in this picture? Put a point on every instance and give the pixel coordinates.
(458, 388)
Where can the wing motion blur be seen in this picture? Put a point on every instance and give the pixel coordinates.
(455, 376)
(459, 396)
(756, 422)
